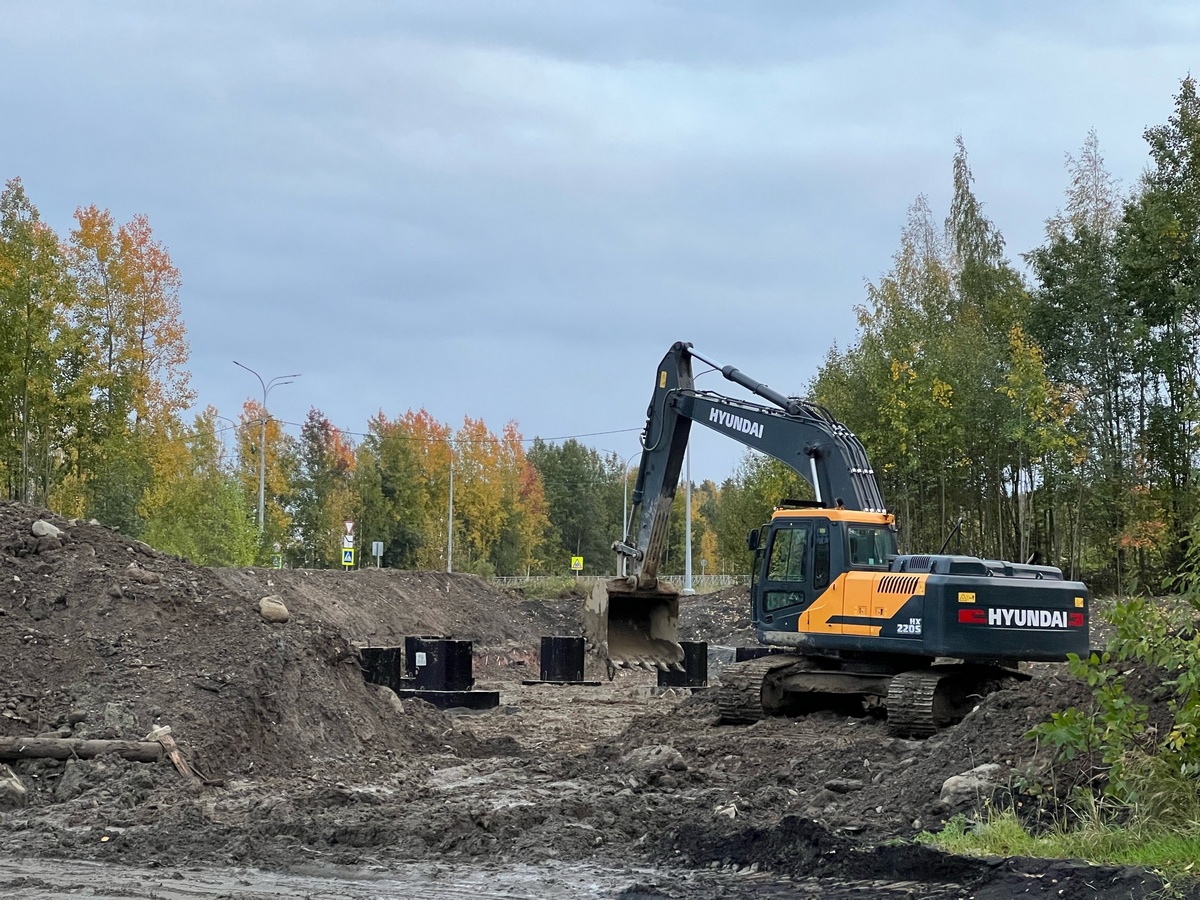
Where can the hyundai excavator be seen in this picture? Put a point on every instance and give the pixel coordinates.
(836, 608)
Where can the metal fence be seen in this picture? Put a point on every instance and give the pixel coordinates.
(701, 584)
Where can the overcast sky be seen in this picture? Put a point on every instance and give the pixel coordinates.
(510, 210)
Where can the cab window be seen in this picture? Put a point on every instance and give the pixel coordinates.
(788, 551)
(869, 546)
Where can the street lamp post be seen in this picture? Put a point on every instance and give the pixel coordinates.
(262, 440)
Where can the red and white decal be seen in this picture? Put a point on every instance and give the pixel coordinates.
(1004, 617)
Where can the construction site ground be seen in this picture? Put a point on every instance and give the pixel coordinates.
(311, 782)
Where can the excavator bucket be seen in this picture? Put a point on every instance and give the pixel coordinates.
(634, 627)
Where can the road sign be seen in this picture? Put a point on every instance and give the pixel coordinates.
(347, 556)
(348, 537)
(576, 563)
(377, 548)
(276, 561)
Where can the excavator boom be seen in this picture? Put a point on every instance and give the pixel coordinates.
(633, 620)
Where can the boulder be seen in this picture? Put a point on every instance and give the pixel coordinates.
(12, 792)
(655, 758)
(143, 576)
(272, 609)
(42, 529)
(972, 787)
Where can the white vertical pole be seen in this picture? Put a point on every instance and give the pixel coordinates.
(623, 563)
(450, 515)
(687, 519)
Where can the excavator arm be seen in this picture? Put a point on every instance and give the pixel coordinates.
(633, 620)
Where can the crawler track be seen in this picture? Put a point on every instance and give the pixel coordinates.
(910, 703)
(740, 699)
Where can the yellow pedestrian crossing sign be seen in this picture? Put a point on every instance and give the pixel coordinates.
(347, 556)
(577, 563)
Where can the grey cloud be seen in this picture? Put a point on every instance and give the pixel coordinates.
(510, 210)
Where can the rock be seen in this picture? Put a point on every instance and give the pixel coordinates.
(119, 719)
(42, 528)
(844, 785)
(12, 792)
(972, 787)
(272, 609)
(656, 758)
(143, 576)
(47, 545)
(76, 779)
(389, 697)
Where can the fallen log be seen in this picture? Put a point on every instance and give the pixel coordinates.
(78, 748)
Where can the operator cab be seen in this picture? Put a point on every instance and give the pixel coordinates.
(803, 550)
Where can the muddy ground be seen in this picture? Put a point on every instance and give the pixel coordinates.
(313, 782)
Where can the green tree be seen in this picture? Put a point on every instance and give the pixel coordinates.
(927, 385)
(577, 483)
(195, 507)
(34, 295)
(127, 359)
(323, 498)
(1085, 327)
(402, 480)
(1158, 247)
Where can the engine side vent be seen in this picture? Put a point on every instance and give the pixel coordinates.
(919, 563)
(897, 584)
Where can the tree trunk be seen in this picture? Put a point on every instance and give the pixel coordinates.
(77, 748)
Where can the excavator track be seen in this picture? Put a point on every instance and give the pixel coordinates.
(740, 698)
(924, 701)
(910, 703)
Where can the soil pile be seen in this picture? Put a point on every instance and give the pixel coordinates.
(108, 638)
(304, 763)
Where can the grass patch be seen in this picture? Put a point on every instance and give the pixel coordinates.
(1173, 853)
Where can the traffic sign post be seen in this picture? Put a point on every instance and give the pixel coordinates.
(577, 565)
(347, 557)
(377, 551)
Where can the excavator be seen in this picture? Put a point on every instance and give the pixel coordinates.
(837, 610)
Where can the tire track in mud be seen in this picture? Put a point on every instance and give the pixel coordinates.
(53, 879)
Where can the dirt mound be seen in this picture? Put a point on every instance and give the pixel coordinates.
(109, 638)
(720, 618)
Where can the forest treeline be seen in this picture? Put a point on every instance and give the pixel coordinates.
(1046, 405)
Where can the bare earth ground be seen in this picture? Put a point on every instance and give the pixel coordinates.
(318, 784)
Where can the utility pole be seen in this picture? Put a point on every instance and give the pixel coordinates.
(262, 440)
